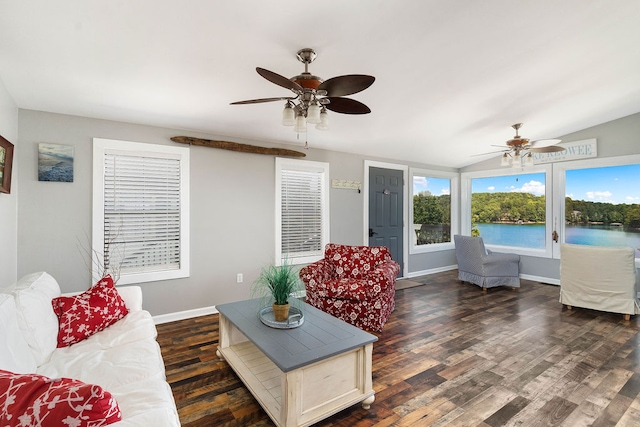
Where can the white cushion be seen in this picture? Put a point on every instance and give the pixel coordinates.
(109, 368)
(132, 296)
(135, 326)
(37, 320)
(15, 355)
(146, 403)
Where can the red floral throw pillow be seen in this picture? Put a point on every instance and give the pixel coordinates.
(35, 400)
(83, 315)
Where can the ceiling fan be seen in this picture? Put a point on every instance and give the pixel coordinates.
(313, 96)
(519, 150)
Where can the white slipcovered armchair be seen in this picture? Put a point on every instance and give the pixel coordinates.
(485, 268)
(599, 278)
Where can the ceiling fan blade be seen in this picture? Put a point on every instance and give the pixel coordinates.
(346, 106)
(346, 85)
(550, 149)
(278, 79)
(257, 101)
(544, 142)
(490, 152)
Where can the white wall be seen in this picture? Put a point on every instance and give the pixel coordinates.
(9, 202)
(232, 211)
(615, 138)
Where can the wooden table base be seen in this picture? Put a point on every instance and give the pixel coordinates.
(303, 396)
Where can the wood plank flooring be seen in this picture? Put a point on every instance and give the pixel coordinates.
(450, 355)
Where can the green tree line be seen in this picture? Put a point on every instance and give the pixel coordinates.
(430, 209)
(525, 207)
(507, 207)
(514, 207)
(584, 212)
(434, 213)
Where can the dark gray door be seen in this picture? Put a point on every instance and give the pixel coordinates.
(385, 211)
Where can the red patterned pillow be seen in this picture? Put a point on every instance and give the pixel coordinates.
(35, 400)
(83, 315)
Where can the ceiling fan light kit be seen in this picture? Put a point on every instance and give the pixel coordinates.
(314, 96)
(528, 160)
(313, 113)
(506, 160)
(301, 124)
(324, 120)
(520, 150)
(288, 115)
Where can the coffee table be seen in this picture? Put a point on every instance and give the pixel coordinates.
(302, 375)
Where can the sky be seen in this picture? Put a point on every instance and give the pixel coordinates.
(437, 186)
(524, 183)
(615, 184)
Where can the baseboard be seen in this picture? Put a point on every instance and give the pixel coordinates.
(541, 279)
(430, 271)
(182, 315)
(188, 314)
(204, 311)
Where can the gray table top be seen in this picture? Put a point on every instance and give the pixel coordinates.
(319, 337)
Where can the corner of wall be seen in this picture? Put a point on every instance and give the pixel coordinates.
(9, 202)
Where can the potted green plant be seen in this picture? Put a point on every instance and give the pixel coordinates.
(278, 283)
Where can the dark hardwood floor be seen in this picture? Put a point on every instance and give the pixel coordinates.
(450, 355)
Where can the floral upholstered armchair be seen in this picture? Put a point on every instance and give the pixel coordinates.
(354, 283)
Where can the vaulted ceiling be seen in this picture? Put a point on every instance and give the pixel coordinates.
(451, 76)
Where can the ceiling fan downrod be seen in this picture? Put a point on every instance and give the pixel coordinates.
(517, 126)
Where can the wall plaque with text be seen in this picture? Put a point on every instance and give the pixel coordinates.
(573, 151)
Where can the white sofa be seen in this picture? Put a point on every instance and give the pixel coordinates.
(599, 278)
(124, 359)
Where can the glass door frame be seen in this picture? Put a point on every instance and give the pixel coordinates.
(559, 188)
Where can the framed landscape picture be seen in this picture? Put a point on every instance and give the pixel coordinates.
(6, 160)
(55, 162)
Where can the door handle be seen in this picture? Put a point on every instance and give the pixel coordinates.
(371, 232)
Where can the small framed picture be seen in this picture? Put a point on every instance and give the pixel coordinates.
(6, 160)
(55, 162)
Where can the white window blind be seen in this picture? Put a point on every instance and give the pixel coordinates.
(302, 210)
(142, 213)
(141, 216)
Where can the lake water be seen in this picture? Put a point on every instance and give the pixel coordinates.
(533, 236)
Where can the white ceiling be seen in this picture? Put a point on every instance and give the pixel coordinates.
(451, 76)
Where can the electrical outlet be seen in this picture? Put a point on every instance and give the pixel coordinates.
(239, 278)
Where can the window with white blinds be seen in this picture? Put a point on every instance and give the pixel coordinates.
(302, 210)
(141, 210)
